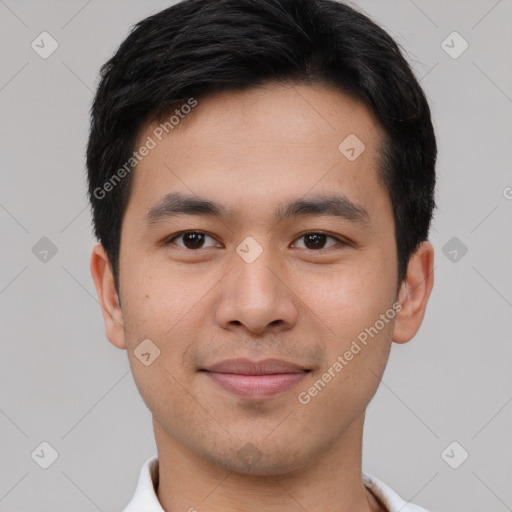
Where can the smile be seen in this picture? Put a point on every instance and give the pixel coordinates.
(256, 379)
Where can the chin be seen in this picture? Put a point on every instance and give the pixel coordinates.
(249, 459)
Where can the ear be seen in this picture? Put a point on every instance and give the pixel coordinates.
(107, 295)
(414, 293)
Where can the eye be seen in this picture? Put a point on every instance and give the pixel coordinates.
(194, 240)
(190, 239)
(317, 240)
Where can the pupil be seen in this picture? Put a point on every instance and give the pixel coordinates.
(316, 240)
(195, 240)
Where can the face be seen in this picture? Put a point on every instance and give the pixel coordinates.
(269, 269)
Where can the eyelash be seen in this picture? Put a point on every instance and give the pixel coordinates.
(169, 240)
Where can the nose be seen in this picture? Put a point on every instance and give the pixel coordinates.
(257, 297)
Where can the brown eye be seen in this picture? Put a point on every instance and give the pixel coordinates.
(316, 241)
(190, 239)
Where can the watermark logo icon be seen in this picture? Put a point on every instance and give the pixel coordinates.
(249, 250)
(44, 249)
(44, 455)
(147, 352)
(454, 455)
(44, 45)
(454, 45)
(249, 454)
(351, 147)
(454, 249)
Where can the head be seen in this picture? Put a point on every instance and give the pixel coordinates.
(292, 143)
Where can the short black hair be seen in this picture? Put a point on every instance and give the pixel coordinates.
(196, 48)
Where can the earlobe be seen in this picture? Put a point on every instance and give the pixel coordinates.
(414, 293)
(107, 295)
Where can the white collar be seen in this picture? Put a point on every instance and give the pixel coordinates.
(145, 497)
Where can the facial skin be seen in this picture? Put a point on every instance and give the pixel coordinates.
(251, 152)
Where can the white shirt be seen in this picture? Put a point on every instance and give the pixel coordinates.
(145, 499)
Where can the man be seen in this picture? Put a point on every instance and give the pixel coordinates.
(262, 179)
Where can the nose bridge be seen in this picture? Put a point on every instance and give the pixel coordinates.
(254, 294)
(254, 281)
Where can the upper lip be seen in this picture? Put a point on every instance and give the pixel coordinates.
(248, 367)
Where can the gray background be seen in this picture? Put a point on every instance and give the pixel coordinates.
(62, 381)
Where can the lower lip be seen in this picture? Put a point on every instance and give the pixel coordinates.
(256, 386)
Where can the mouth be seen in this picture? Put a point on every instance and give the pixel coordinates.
(256, 379)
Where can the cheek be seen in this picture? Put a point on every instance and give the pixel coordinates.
(156, 297)
(356, 346)
(172, 310)
(158, 323)
(347, 307)
(348, 298)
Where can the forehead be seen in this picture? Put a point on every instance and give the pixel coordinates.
(247, 149)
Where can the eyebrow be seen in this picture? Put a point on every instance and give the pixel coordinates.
(336, 205)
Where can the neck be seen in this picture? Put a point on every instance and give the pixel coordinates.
(331, 480)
